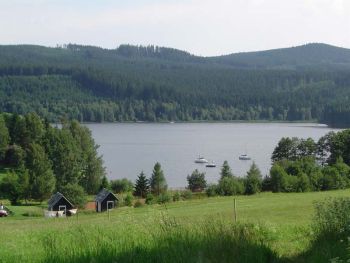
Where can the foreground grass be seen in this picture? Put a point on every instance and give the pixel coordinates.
(272, 227)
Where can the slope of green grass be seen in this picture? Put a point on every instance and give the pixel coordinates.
(273, 226)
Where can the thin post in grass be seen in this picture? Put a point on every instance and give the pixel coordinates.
(235, 209)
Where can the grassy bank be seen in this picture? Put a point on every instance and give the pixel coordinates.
(271, 228)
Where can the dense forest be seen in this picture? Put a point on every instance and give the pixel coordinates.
(135, 83)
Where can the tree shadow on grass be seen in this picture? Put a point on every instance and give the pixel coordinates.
(237, 246)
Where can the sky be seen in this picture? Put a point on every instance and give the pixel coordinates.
(201, 27)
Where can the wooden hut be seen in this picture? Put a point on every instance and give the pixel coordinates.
(59, 203)
(105, 199)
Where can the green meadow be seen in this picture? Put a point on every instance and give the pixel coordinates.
(270, 227)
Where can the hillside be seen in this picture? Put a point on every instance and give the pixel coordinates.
(131, 83)
(279, 222)
(321, 56)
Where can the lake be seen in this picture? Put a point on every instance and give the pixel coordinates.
(129, 148)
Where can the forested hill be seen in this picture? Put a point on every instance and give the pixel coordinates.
(301, 57)
(135, 83)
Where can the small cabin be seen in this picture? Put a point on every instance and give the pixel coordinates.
(59, 203)
(105, 200)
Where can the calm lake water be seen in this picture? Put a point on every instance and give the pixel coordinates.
(128, 149)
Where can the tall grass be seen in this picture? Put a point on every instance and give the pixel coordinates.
(279, 230)
(167, 241)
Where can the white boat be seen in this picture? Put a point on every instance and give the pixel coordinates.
(210, 164)
(244, 157)
(201, 160)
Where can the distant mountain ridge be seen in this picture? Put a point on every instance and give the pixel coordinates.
(315, 54)
(309, 55)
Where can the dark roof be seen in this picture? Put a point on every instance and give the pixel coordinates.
(102, 195)
(55, 198)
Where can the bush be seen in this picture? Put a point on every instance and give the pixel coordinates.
(164, 198)
(75, 194)
(186, 195)
(316, 180)
(196, 181)
(332, 217)
(230, 186)
(212, 190)
(332, 179)
(331, 228)
(149, 199)
(303, 184)
(176, 197)
(121, 186)
(138, 203)
(128, 199)
(266, 184)
(290, 184)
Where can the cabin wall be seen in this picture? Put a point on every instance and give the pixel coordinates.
(62, 202)
(102, 206)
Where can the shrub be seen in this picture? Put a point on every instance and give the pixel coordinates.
(303, 184)
(230, 186)
(196, 181)
(75, 194)
(128, 199)
(149, 199)
(332, 217)
(138, 203)
(176, 197)
(290, 183)
(316, 180)
(332, 179)
(266, 184)
(212, 190)
(121, 186)
(186, 195)
(164, 198)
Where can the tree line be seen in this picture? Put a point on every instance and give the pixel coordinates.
(158, 84)
(41, 159)
(298, 165)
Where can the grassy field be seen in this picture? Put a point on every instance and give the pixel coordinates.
(273, 227)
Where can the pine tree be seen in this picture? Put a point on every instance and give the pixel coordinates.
(104, 183)
(157, 181)
(141, 186)
(226, 170)
(253, 181)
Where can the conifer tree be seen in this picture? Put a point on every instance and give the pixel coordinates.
(141, 186)
(226, 170)
(157, 181)
(253, 181)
